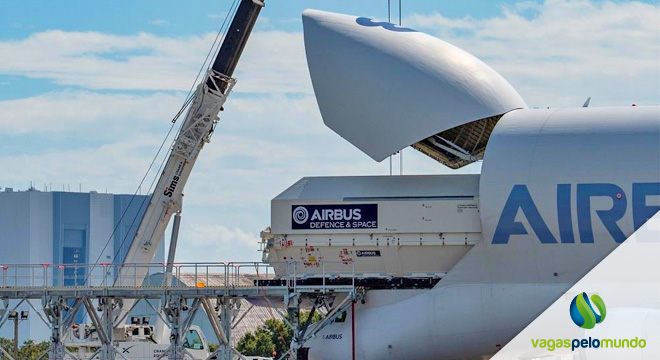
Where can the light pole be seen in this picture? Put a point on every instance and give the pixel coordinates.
(14, 316)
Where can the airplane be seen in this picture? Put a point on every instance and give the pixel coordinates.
(559, 190)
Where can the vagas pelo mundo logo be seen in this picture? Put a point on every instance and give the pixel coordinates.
(582, 313)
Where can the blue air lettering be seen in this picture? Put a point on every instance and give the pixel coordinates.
(520, 200)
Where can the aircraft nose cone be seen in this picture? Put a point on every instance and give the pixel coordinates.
(383, 87)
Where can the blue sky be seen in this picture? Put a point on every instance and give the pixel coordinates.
(182, 18)
(20, 19)
(191, 17)
(87, 89)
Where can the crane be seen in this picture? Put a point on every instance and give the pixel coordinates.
(196, 130)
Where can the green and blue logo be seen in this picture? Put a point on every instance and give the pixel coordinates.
(583, 314)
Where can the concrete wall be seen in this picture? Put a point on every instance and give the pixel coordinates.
(26, 236)
(63, 227)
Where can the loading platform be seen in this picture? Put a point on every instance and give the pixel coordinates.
(63, 290)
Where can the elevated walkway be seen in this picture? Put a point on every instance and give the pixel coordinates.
(64, 289)
(33, 281)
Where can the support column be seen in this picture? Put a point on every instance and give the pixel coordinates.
(108, 307)
(227, 306)
(218, 328)
(172, 309)
(303, 333)
(172, 251)
(175, 306)
(54, 306)
(353, 329)
(293, 310)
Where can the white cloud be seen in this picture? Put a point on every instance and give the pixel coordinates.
(210, 235)
(59, 112)
(212, 242)
(565, 50)
(273, 61)
(114, 166)
(95, 60)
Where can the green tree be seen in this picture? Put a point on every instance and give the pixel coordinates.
(273, 335)
(280, 335)
(258, 343)
(29, 350)
(8, 345)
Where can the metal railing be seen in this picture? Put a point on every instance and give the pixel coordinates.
(184, 275)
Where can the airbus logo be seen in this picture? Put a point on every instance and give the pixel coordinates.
(300, 215)
(520, 200)
(338, 216)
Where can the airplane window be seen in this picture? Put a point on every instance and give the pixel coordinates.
(193, 341)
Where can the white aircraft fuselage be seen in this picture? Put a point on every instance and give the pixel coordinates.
(559, 189)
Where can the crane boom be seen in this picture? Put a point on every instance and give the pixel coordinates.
(196, 130)
(237, 36)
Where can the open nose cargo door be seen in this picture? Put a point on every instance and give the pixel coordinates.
(384, 87)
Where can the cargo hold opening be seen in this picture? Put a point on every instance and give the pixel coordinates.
(460, 145)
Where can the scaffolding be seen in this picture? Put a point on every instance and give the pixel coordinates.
(64, 289)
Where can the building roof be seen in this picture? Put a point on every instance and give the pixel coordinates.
(346, 188)
(256, 316)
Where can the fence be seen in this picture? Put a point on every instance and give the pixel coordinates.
(106, 275)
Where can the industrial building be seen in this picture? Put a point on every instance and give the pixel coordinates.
(38, 227)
